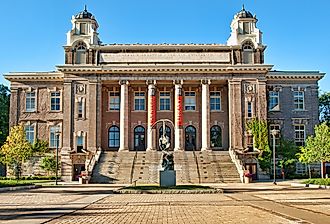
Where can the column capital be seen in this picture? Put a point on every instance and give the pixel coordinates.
(123, 82)
(178, 82)
(151, 82)
(205, 81)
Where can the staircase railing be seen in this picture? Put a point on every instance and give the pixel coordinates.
(238, 163)
(196, 160)
(92, 161)
(133, 166)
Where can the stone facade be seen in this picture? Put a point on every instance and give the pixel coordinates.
(110, 96)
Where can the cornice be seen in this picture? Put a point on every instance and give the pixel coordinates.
(37, 76)
(277, 75)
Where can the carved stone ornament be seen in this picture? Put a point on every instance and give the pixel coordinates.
(80, 89)
(249, 88)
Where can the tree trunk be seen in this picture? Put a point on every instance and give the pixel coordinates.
(322, 171)
(309, 171)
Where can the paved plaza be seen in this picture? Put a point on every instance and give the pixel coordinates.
(255, 203)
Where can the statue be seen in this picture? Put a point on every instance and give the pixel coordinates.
(168, 158)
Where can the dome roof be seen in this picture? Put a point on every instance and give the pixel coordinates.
(84, 14)
(244, 14)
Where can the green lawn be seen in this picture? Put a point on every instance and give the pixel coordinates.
(13, 183)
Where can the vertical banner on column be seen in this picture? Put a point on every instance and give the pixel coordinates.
(179, 121)
(153, 110)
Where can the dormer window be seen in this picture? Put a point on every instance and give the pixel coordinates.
(80, 53)
(247, 53)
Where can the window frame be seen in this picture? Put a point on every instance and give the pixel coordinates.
(270, 102)
(28, 101)
(212, 130)
(28, 131)
(52, 136)
(139, 97)
(277, 137)
(190, 106)
(113, 106)
(164, 100)
(116, 130)
(249, 110)
(297, 132)
(215, 97)
(297, 102)
(56, 103)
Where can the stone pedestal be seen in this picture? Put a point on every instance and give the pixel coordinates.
(167, 178)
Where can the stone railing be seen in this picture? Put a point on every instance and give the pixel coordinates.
(92, 161)
(238, 163)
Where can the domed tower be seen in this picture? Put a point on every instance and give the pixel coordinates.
(82, 39)
(246, 36)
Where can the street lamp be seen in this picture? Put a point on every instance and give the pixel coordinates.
(274, 133)
(57, 135)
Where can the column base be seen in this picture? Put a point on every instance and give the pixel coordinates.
(178, 149)
(123, 150)
(206, 149)
(151, 149)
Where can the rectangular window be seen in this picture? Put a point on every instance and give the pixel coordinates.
(80, 144)
(298, 97)
(273, 103)
(215, 101)
(299, 137)
(80, 109)
(189, 100)
(164, 100)
(54, 137)
(139, 101)
(30, 102)
(249, 109)
(82, 28)
(29, 132)
(55, 101)
(246, 28)
(114, 101)
(277, 137)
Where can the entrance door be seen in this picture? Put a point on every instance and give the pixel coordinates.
(77, 170)
(139, 138)
(190, 138)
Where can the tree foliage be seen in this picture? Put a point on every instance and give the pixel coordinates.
(287, 155)
(48, 164)
(259, 131)
(4, 112)
(40, 147)
(324, 107)
(317, 148)
(16, 150)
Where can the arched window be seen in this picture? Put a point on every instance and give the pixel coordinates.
(247, 53)
(80, 53)
(167, 132)
(190, 138)
(216, 136)
(114, 137)
(139, 138)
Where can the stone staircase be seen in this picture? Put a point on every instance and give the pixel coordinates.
(143, 167)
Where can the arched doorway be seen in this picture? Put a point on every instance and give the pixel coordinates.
(168, 133)
(114, 137)
(190, 138)
(216, 137)
(139, 138)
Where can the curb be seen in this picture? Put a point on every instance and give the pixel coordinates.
(168, 192)
(27, 187)
(312, 186)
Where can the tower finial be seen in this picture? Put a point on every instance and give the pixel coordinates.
(85, 8)
(243, 9)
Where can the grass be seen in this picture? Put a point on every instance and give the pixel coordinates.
(318, 181)
(13, 183)
(178, 187)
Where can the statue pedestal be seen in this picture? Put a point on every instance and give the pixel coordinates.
(167, 178)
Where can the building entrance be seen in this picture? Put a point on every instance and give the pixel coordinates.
(190, 138)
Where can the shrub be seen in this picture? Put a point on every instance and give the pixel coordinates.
(318, 181)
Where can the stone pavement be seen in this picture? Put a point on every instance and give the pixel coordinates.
(253, 203)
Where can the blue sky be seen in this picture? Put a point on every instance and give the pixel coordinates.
(296, 32)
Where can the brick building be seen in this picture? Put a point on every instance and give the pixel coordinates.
(109, 96)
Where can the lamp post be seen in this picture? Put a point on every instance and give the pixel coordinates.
(274, 133)
(57, 135)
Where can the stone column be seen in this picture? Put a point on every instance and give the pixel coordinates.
(235, 114)
(205, 115)
(93, 130)
(67, 137)
(262, 100)
(152, 109)
(123, 115)
(14, 109)
(178, 116)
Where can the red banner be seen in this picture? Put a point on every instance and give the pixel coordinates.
(153, 110)
(179, 110)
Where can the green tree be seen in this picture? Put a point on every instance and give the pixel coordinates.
(317, 148)
(40, 147)
(324, 107)
(286, 152)
(16, 150)
(259, 131)
(4, 112)
(48, 164)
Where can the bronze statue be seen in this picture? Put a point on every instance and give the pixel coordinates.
(168, 158)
